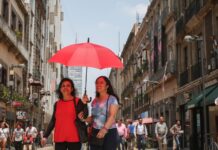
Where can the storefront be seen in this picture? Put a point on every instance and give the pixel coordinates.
(193, 117)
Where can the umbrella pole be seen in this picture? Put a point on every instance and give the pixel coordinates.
(86, 74)
(86, 80)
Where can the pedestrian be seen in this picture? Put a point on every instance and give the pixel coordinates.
(4, 135)
(66, 135)
(17, 137)
(104, 109)
(176, 131)
(141, 134)
(131, 135)
(161, 133)
(122, 132)
(31, 134)
(28, 142)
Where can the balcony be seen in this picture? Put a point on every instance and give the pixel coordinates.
(183, 78)
(11, 35)
(158, 75)
(36, 75)
(196, 71)
(127, 89)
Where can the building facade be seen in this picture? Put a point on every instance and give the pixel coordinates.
(75, 73)
(197, 69)
(30, 33)
(162, 73)
(14, 57)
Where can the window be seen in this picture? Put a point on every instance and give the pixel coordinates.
(13, 21)
(3, 75)
(5, 10)
(185, 59)
(198, 51)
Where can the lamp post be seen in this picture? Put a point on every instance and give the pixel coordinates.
(194, 38)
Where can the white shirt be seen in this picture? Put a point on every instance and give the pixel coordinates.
(4, 133)
(31, 131)
(161, 129)
(141, 129)
(18, 134)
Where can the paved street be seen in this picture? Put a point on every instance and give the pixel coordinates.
(46, 148)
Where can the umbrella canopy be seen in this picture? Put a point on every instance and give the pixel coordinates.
(88, 55)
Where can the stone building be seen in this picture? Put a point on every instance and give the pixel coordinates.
(198, 18)
(13, 56)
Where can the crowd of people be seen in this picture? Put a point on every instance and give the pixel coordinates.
(73, 125)
(136, 135)
(19, 137)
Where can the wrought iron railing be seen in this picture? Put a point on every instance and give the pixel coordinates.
(183, 78)
(196, 71)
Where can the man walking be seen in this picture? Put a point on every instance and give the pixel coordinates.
(141, 134)
(122, 132)
(131, 135)
(161, 133)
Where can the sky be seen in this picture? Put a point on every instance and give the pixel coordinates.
(105, 22)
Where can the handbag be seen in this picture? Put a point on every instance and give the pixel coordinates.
(93, 140)
(81, 127)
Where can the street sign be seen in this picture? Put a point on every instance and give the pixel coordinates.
(21, 115)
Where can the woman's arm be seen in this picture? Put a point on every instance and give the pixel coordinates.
(51, 123)
(112, 116)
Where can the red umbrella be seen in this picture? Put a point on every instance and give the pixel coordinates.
(88, 55)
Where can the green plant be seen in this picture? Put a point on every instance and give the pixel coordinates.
(18, 34)
(4, 92)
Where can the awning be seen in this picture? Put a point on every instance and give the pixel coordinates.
(196, 101)
(211, 97)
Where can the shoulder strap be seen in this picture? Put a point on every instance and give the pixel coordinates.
(74, 101)
(107, 107)
(136, 128)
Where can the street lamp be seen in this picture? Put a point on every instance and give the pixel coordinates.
(194, 38)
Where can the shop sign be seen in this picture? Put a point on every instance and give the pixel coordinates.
(21, 115)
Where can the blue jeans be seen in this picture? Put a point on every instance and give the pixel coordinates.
(120, 142)
(141, 142)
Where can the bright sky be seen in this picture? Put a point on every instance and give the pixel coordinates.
(102, 21)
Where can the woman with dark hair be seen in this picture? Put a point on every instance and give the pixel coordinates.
(104, 110)
(64, 116)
